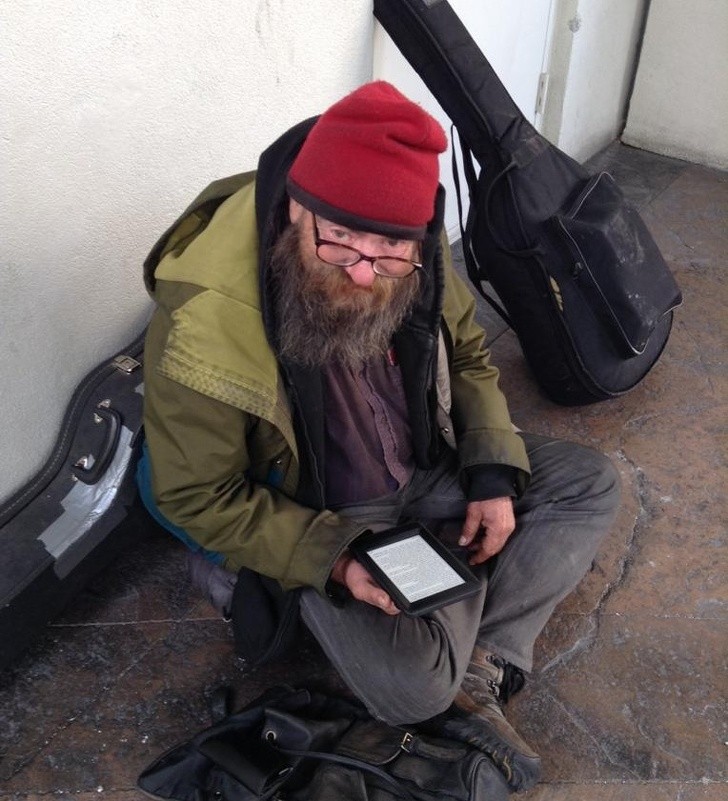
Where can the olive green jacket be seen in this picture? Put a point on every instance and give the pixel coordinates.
(226, 459)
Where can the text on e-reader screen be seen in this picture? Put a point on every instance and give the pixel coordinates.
(416, 568)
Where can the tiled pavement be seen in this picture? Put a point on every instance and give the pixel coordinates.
(628, 696)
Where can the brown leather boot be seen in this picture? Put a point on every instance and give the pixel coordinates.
(478, 718)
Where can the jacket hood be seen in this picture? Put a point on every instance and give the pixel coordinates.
(192, 222)
(271, 204)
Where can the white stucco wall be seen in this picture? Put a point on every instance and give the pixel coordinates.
(114, 114)
(592, 62)
(680, 101)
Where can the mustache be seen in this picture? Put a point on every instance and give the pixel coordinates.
(323, 317)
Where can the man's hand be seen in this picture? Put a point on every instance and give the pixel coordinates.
(496, 519)
(356, 578)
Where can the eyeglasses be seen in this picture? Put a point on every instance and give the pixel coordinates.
(344, 256)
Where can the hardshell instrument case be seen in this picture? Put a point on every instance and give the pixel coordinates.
(58, 530)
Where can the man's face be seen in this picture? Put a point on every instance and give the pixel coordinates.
(356, 288)
(329, 313)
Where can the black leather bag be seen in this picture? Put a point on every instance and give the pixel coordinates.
(295, 744)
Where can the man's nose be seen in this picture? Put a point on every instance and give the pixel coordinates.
(361, 273)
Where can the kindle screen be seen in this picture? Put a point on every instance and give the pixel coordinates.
(415, 568)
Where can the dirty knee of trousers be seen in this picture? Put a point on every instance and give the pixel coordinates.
(605, 479)
(412, 697)
(404, 669)
(604, 482)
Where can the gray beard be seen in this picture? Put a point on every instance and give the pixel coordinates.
(323, 317)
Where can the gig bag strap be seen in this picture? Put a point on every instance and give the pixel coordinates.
(470, 264)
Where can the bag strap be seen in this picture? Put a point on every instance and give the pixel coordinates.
(220, 703)
(470, 264)
(350, 762)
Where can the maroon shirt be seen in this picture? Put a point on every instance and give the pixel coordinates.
(368, 439)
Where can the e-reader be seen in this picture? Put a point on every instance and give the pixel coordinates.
(415, 568)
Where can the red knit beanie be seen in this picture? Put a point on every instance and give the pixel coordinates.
(371, 163)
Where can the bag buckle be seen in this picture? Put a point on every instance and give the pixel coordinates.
(407, 741)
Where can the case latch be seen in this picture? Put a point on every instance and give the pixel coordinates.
(126, 364)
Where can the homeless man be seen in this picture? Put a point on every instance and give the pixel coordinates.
(313, 372)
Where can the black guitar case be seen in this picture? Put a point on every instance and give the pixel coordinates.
(583, 283)
(61, 528)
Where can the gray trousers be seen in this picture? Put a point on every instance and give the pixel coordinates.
(407, 669)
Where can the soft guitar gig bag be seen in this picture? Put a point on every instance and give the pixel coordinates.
(583, 283)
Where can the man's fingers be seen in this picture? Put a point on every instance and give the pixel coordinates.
(491, 544)
(495, 519)
(387, 606)
(471, 526)
(376, 597)
(363, 587)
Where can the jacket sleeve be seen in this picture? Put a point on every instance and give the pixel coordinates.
(203, 481)
(485, 436)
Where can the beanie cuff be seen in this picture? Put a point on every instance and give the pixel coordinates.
(351, 220)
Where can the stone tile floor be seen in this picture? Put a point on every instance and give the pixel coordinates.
(628, 696)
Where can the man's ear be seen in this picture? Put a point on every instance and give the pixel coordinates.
(295, 210)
